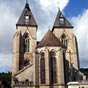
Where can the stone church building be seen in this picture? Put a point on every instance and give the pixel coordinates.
(49, 63)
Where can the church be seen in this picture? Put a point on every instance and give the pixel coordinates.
(49, 63)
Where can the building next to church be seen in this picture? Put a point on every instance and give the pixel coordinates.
(49, 63)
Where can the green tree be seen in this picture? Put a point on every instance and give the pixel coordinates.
(6, 77)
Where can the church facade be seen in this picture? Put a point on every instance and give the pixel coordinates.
(49, 63)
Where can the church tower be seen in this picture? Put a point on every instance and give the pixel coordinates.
(24, 41)
(49, 63)
(63, 30)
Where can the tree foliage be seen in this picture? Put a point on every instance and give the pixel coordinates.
(6, 77)
(85, 71)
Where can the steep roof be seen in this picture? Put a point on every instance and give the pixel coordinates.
(26, 11)
(60, 17)
(49, 40)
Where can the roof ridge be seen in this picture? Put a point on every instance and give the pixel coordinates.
(49, 40)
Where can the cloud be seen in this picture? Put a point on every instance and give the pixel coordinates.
(8, 20)
(49, 9)
(7, 29)
(5, 62)
(81, 30)
(51, 4)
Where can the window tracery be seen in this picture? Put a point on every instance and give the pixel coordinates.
(42, 67)
(53, 68)
(26, 42)
(64, 40)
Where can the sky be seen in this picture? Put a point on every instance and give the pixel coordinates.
(44, 11)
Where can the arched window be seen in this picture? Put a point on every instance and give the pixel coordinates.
(53, 74)
(42, 68)
(26, 42)
(64, 40)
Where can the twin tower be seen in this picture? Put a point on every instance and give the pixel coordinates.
(49, 63)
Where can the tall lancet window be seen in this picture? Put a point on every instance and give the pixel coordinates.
(26, 42)
(53, 69)
(64, 40)
(42, 68)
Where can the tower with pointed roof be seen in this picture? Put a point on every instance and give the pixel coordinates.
(63, 30)
(49, 63)
(24, 44)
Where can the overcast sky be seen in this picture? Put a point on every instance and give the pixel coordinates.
(44, 11)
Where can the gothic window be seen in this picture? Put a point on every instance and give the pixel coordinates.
(61, 21)
(26, 62)
(64, 40)
(53, 74)
(42, 68)
(26, 42)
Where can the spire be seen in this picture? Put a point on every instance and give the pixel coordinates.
(26, 1)
(61, 21)
(58, 6)
(26, 18)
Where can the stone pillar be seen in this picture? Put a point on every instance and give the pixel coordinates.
(36, 69)
(16, 47)
(60, 69)
(75, 53)
(47, 71)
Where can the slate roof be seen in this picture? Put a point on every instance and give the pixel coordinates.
(57, 21)
(26, 11)
(49, 40)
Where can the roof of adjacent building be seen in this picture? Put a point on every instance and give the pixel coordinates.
(26, 11)
(49, 40)
(57, 21)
